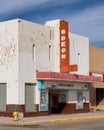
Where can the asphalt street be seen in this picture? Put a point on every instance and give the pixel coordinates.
(91, 124)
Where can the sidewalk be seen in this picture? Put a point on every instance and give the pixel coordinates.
(51, 118)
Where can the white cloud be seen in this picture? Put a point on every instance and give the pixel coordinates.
(14, 5)
(57, 3)
(89, 23)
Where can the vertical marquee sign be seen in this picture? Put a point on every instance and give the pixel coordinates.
(64, 47)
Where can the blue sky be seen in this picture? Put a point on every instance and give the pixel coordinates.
(85, 17)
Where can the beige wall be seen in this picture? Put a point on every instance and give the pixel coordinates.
(96, 57)
(93, 95)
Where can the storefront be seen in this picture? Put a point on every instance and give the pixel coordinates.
(97, 96)
(63, 96)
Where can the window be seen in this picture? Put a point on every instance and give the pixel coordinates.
(30, 97)
(79, 104)
(49, 52)
(2, 97)
(51, 34)
(62, 98)
(33, 52)
(43, 101)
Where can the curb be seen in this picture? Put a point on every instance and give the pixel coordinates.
(76, 118)
(50, 121)
(61, 120)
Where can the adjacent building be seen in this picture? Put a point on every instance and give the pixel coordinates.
(96, 66)
(44, 69)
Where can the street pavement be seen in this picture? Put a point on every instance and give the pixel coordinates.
(23, 121)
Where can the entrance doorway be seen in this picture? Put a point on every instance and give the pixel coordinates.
(99, 96)
(54, 103)
(57, 102)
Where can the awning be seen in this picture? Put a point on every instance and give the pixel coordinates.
(66, 76)
(98, 85)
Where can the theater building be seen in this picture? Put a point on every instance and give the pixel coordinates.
(44, 69)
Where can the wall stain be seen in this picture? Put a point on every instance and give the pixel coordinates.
(7, 53)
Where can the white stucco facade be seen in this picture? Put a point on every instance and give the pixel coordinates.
(37, 36)
(27, 48)
(9, 59)
(79, 53)
(78, 49)
(55, 45)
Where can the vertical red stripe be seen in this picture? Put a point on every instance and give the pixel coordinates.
(90, 73)
(103, 77)
(64, 47)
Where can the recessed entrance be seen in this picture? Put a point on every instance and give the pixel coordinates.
(57, 101)
(99, 96)
(54, 104)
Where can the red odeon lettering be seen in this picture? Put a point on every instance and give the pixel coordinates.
(64, 56)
